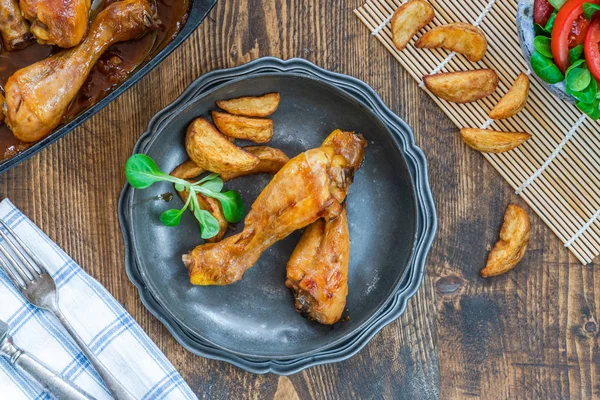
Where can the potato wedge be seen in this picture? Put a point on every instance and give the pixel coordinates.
(271, 161)
(212, 206)
(464, 86)
(460, 37)
(212, 151)
(251, 106)
(408, 20)
(514, 238)
(514, 100)
(489, 141)
(187, 170)
(258, 130)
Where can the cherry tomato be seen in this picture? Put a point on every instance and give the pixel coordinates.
(542, 10)
(568, 30)
(592, 48)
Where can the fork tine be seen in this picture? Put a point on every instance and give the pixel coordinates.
(11, 274)
(15, 266)
(36, 267)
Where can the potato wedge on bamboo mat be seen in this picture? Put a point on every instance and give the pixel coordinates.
(514, 100)
(514, 238)
(251, 106)
(212, 151)
(258, 130)
(460, 37)
(463, 86)
(408, 20)
(490, 141)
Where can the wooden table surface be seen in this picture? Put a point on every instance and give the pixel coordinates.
(532, 333)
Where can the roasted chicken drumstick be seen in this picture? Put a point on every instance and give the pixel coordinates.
(57, 22)
(38, 96)
(13, 27)
(317, 272)
(310, 186)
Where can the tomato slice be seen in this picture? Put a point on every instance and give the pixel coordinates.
(570, 26)
(542, 10)
(592, 48)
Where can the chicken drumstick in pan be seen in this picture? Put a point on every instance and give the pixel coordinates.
(38, 96)
(13, 27)
(310, 186)
(57, 22)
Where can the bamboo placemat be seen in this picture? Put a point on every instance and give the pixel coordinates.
(557, 172)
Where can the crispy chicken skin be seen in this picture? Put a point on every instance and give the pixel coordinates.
(57, 22)
(317, 271)
(38, 96)
(13, 27)
(310, 186)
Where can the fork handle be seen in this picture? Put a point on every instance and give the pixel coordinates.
(112, 384)
(48, 379)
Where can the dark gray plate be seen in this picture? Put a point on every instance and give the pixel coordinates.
(253, 323)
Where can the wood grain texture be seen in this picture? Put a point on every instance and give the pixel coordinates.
(532, 333)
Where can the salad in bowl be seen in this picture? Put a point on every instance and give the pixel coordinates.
(563, 47)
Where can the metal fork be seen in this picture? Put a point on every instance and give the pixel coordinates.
(32, 279)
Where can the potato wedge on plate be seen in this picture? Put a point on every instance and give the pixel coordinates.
(514, 100)
(271, 161)
(187, 170)
(490, 141)
(251, 106)
(514, 238)
(464, 86)
(212, 151)
(409, 19)
(259, 130)
(460, 37)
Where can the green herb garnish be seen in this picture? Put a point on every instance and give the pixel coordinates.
(557, 4)
(542, 44)
(141, 172)
(589, 9)
(545, 68)
(575, 53)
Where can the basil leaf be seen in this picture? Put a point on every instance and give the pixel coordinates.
(208, 177)
(214, 185)
(587, 95)
(550, 23)
(179, 187)
(141, 171)
(592, 110)
(557, 3)
(540, 31)
(545, 68)
(575, 53)
(209, 226)
(589, 9)
(578, 79)
(171, 217)
(542, 44)
(233, 206)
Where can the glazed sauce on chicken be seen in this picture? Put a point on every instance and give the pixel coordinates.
(113, 68)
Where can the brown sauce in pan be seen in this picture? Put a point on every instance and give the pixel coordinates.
(113, 68)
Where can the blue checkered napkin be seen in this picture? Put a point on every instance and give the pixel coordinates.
(109, 330)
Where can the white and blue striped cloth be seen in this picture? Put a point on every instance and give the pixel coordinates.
(100, 320)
